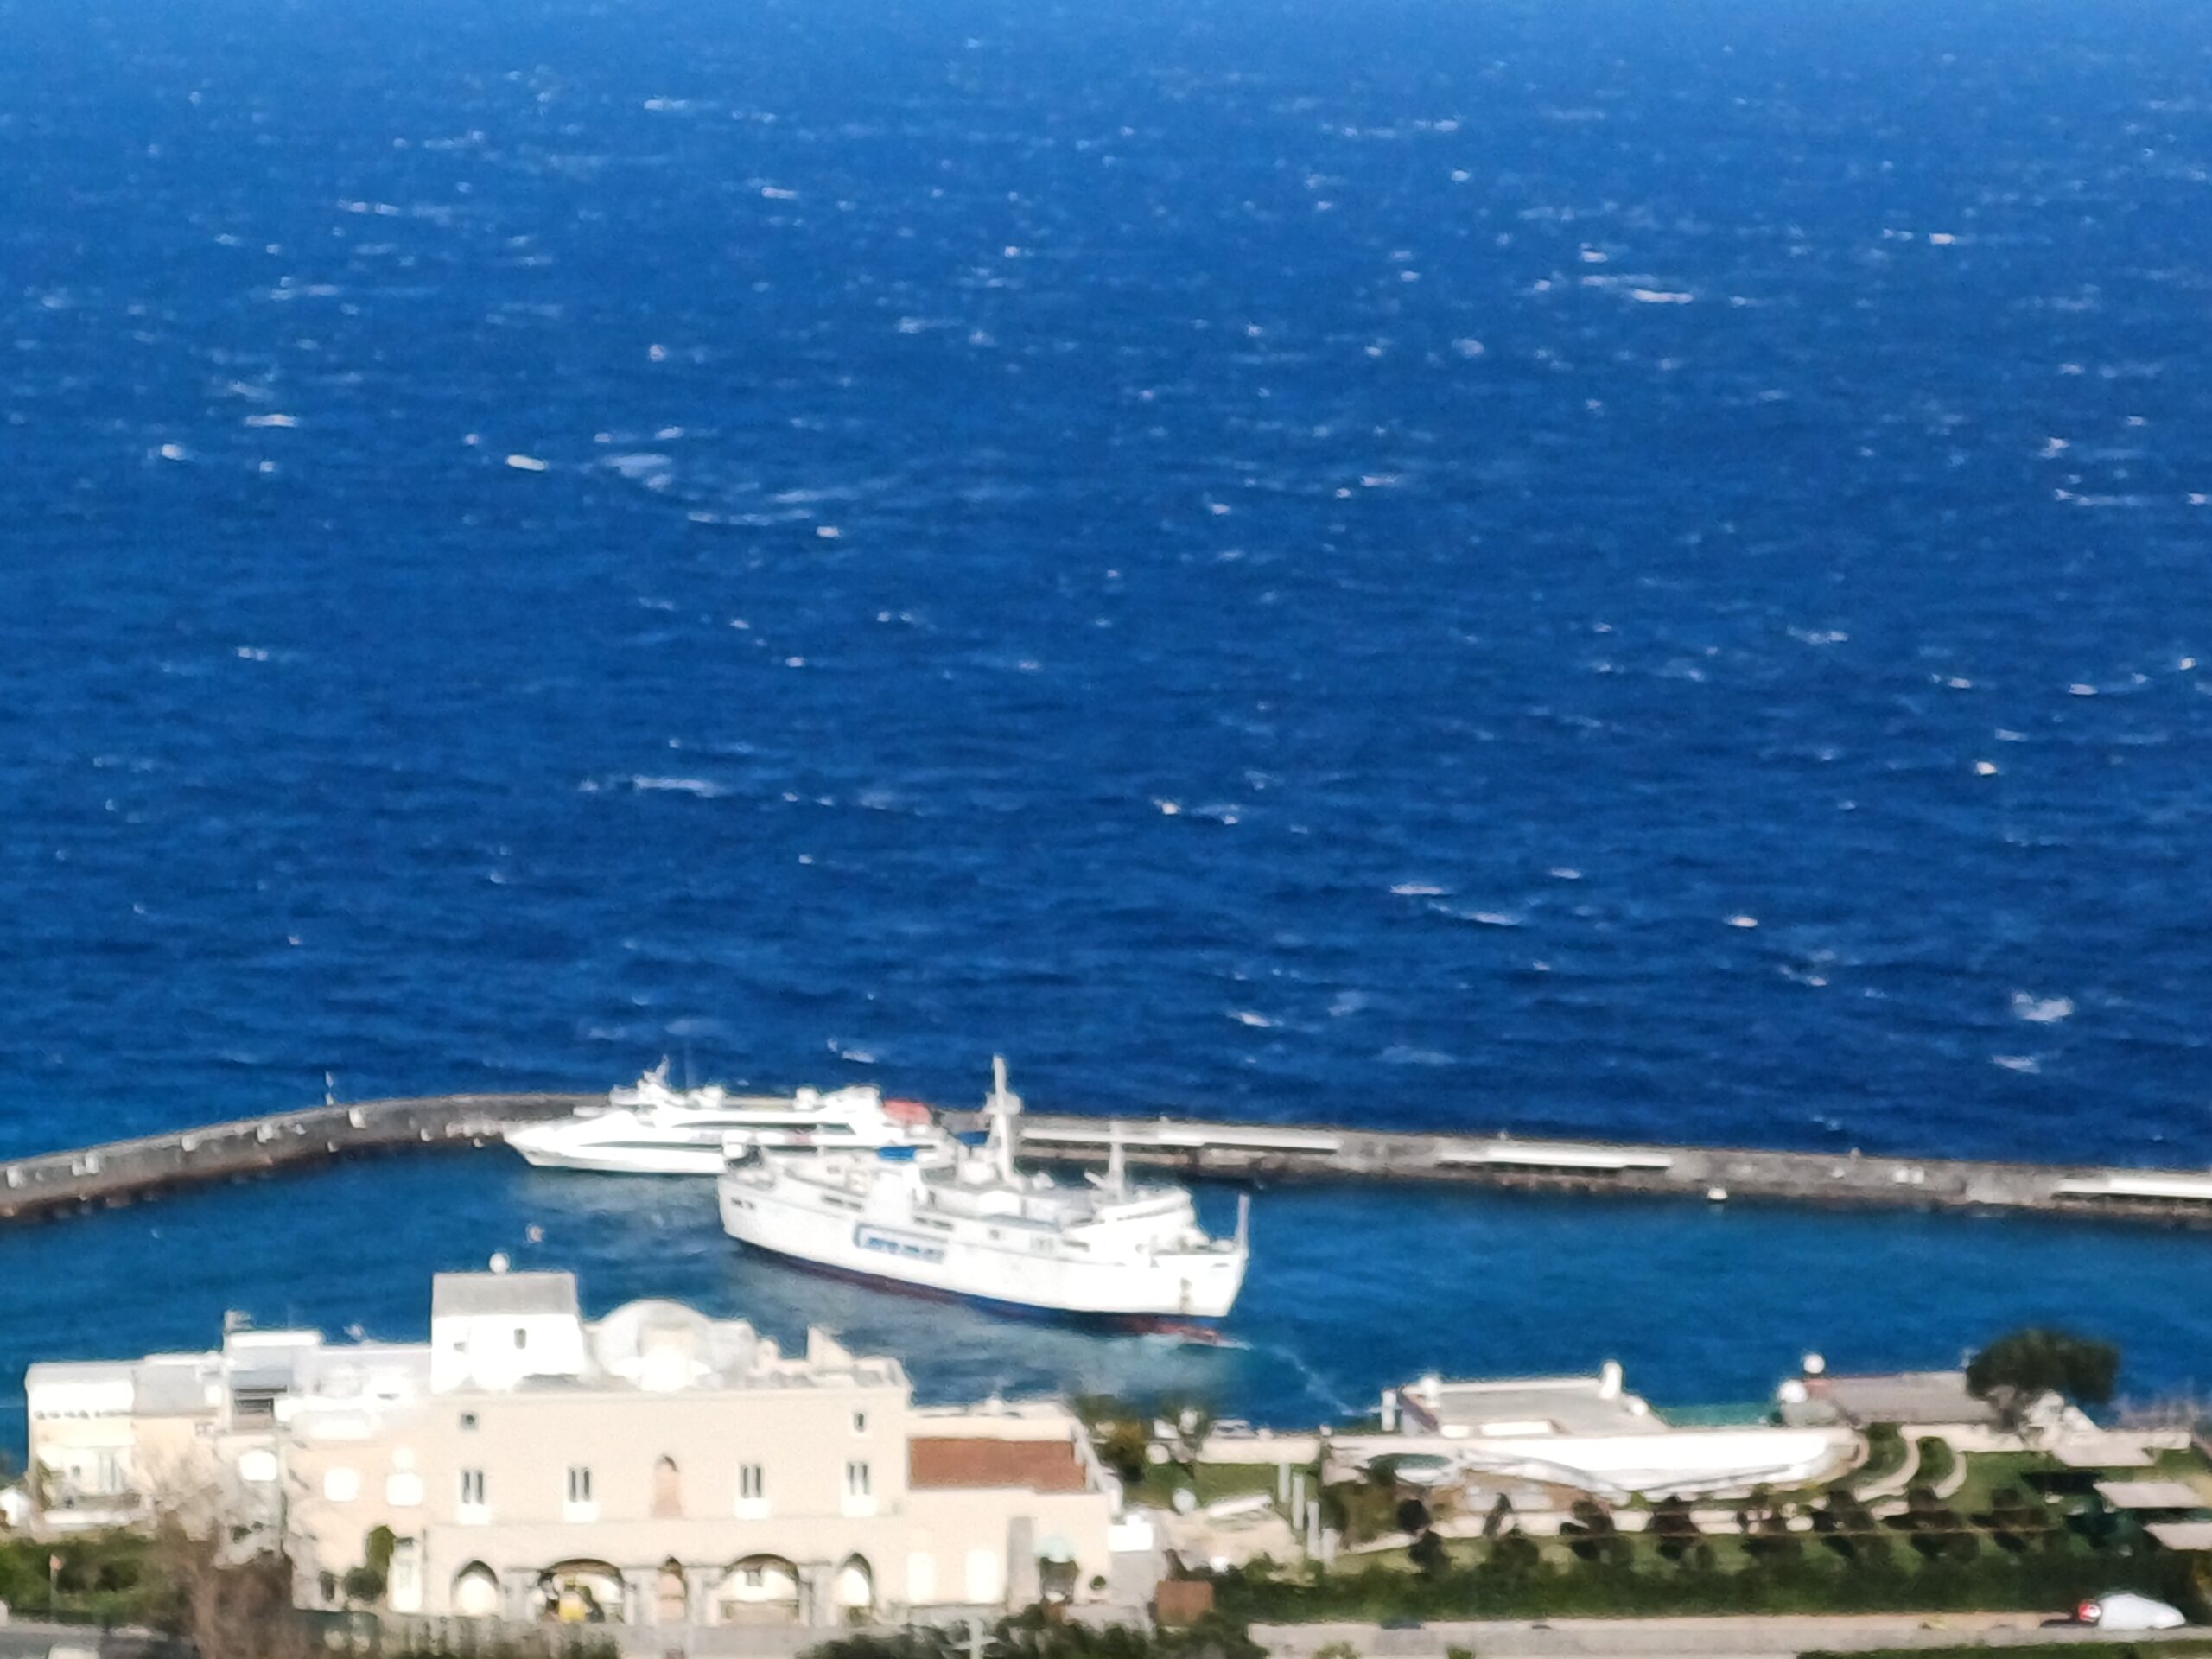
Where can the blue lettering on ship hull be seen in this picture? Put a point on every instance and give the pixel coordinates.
(914, 1249)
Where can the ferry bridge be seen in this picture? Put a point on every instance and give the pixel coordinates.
(124, 1171)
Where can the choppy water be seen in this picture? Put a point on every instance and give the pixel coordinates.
(1629, 571)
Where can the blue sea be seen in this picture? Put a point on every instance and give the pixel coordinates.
(1632, 570)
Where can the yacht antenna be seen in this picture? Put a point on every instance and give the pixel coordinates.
(1117, 1172)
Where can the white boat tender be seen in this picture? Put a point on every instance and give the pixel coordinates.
(651, 1129)
(963, 1220)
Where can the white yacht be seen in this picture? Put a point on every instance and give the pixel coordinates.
(652, 1128)
(956, 1220)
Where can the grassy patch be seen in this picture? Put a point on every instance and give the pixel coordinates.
(1527, 1577)
(2185, 1464)
(1991, 1472)
(1215, 1481)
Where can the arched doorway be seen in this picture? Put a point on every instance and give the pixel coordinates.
(759, 1590)
(476, 1591)
(579, 1593)
(854, 1590)
(668, 1491)
(671, 1594)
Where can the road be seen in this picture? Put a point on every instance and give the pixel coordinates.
(1680, 1638)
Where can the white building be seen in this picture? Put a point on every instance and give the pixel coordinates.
(655, 1466)
(108, 1439)
(1587, 1434)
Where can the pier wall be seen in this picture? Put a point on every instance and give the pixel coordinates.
(1321, 1153)
(121, 1171)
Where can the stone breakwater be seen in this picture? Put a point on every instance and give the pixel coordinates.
(1712, 1174)
(123, 1172)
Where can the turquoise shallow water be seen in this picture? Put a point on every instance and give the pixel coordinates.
(1624, 570)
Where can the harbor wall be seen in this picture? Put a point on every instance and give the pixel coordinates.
(121, 1172)
(1256, 1153)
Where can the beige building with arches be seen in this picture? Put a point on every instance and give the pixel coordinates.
(659, 1467)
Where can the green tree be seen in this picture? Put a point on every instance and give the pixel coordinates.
(2020, 1368)
(1120, 1432)
(1189, 1422)
(1500, 1516)
(1674, 1527)
(365, 1585)
(1123, 1446)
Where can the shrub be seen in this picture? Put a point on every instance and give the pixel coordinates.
(1884, 1453)
(1673, 1529)
(1937, 1461)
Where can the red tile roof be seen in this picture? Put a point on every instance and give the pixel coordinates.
(1040, 1465)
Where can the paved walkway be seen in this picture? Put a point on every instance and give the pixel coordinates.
(1678, 1638)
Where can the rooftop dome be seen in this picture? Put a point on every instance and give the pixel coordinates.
(656, 1344)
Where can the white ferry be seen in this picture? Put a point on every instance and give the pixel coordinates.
(652, 1128)
(961, 1221)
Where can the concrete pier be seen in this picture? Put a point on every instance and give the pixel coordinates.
(1710, 1174)
(124, 1171)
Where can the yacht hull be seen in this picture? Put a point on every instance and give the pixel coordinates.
(620, 1160)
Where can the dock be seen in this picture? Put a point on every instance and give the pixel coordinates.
(1262, 1153)
(125, 1171)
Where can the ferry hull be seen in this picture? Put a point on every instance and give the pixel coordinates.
(1199, 1285)
(1191, 1328)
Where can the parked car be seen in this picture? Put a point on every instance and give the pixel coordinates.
(2129, 1612)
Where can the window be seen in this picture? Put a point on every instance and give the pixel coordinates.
(668, 1489)
(472, 1486)
(579, 1483)
(752, 1481)
(856, 1480)
(860, 1422)
(522, 1338)
(341, 1485)
(752, 1578)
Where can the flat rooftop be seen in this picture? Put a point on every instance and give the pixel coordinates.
(1904, 1397)
(1524, 1406)
(2152, 1495)
(464, 1294)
